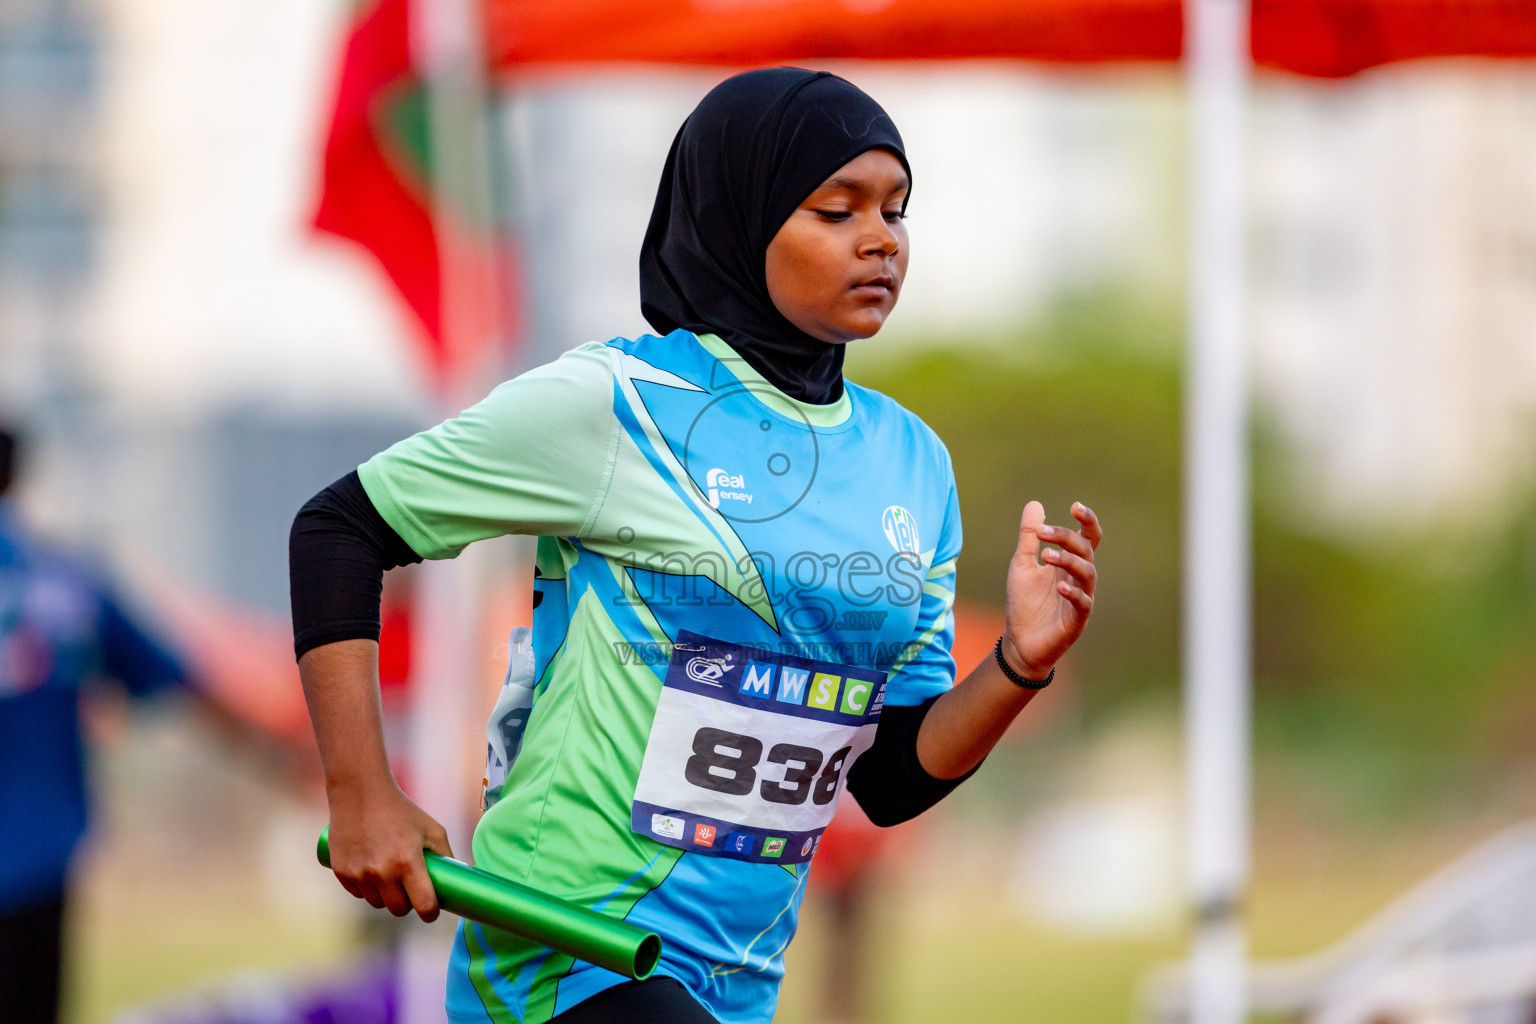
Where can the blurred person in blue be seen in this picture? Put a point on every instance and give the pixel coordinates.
(61, 630)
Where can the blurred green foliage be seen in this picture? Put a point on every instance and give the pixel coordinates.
(1386, 671)
(1068, 412)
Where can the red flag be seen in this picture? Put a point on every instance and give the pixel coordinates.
(377, 184)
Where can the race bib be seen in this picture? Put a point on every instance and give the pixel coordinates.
(749, 749)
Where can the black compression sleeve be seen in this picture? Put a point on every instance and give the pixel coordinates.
(888, 780)
(338, 550)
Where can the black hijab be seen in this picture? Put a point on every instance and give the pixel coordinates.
(750, 153)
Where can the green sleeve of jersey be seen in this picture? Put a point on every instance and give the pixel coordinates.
(534, 457)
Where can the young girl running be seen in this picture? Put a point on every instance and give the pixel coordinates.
(742, 600)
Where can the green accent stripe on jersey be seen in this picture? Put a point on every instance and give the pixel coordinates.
(585, 735)
(637, 604)
(479, 976)
(680, 531)
(832, 415)
(916, 647)
(746, 955)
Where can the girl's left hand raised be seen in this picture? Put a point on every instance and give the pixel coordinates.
(1048, 605)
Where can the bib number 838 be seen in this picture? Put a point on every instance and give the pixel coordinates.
(726, 762)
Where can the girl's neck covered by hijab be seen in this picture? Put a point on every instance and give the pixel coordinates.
(749, 154)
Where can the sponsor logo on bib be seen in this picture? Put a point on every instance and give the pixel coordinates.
(773, 846)
(666, 825)
(786, 684)
(708, 671)
(703, 835)
(757, 679)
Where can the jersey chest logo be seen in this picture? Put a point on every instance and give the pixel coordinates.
(900, 528)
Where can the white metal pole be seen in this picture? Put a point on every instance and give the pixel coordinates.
(1217, 626)
(447, 46)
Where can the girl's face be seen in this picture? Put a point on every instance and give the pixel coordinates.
(835, 267)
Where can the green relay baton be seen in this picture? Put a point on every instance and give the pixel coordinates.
(548, 920)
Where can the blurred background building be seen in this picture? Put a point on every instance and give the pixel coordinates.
(50, 196)
(1395, 306)
(171, 325)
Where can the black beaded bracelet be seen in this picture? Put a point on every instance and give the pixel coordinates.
(1014, 677)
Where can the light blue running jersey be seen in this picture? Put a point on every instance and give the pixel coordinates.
(731, 584)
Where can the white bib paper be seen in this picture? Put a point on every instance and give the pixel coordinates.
(748, 750)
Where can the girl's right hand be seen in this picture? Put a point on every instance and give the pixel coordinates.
(377, 832)
(1050, 592)
(377, 838)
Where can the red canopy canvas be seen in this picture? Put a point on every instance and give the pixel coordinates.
(1311, 37)
(374, 174)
